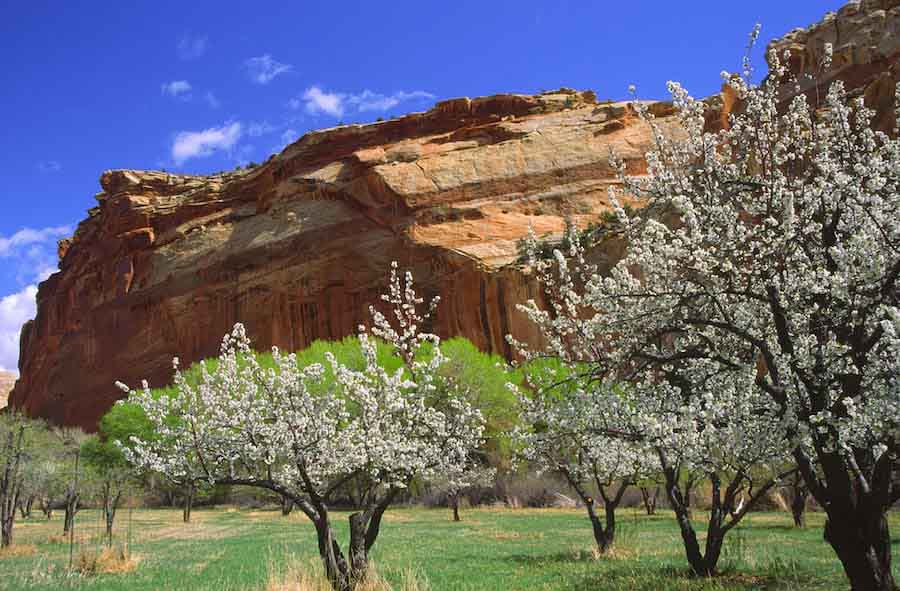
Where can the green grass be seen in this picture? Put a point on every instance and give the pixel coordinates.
(490, 550)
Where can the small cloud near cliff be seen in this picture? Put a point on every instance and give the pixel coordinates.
(29, 236)
(177, 89)
(317, 101)
(264, 69)
(200, 144)
(15, 310)
(29, 258)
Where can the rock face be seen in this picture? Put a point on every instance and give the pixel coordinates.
(7, 380)
(299, 247)
(865, 39)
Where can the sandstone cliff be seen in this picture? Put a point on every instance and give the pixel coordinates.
(865, 37)
(7, 380)
(298, 247)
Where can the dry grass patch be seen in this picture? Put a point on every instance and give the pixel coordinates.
(18, 550)
(593, 553)
(514, 535)
(400, 517)
(189, 531)
(116, 560)
(295, 575)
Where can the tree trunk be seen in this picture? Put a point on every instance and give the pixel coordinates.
(10, 483)
(863, 545)
(6, 531)
(700, 565)
(650, 500)
(856, 490)
(359, 555)
(454, 504)
(110, 506)
(71, 510)
(604, 537)
(189, 493)
(336, 569)
(7, 518)
(798, 504)
(110, 517)
(287, 505)
(688, 535)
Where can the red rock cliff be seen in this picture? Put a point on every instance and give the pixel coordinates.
(298, 247)
(6, 385)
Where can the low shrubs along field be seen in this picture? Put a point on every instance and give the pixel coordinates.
(491, 549)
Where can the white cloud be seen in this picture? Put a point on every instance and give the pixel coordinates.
(373, 101)
(15, 310)
(211, 100)
(30, 236)
(33, 251)
(199, 144)
(177, 89)
(317, 101)
(49, 166)
(190, 47)
(264, 69)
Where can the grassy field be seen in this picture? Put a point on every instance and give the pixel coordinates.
(490, 550)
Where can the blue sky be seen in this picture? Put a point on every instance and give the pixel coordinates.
(203, 86)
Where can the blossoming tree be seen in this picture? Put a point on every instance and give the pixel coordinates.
(601, 414)
(775, 244)
(456, 484)
(567, 436)
(368, 433)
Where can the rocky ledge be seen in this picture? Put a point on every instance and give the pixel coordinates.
(298, 247)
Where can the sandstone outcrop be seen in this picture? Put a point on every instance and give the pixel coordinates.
(7, 380)
(298, 247)
(865, 40)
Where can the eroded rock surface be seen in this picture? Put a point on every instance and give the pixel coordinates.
(299, 247)
(865, 40)
(7, 380)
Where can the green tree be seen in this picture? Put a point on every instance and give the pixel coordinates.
(110, 472)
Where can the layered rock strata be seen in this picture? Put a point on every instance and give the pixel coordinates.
(7, 380)
(299, 247)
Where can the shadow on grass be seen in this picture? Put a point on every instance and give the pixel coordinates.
(781, 527)
(554, 558)
(668, 578)
(619, 573)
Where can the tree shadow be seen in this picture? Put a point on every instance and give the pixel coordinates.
(554, 558)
